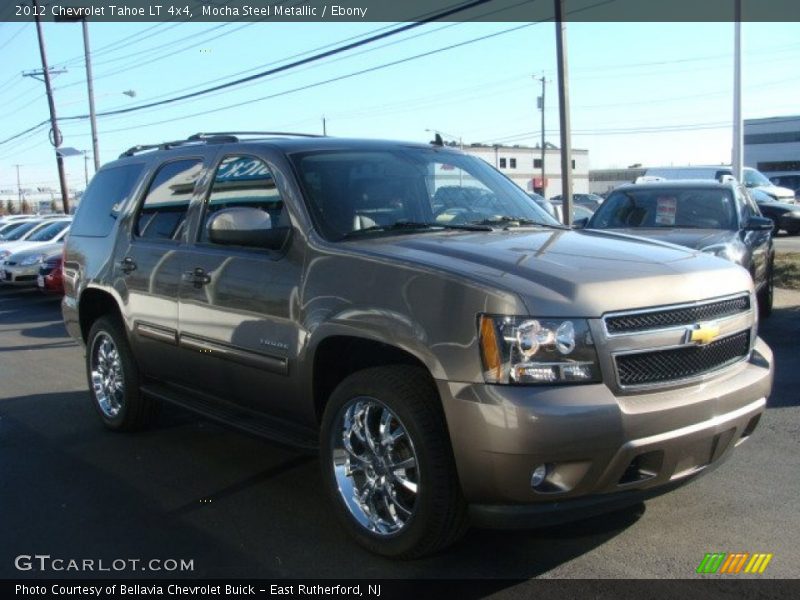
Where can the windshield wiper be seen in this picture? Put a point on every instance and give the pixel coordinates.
(414, 226)
(507, 222)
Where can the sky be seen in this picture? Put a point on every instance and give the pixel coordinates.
(650, 93)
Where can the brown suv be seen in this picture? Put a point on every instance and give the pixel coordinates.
(453, 352)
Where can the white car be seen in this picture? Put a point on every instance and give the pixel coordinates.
(22, 268)
(34, 233)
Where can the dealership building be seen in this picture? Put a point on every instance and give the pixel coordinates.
(773, 145)
(523, 165)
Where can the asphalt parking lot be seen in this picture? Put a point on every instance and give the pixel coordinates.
(787, 243)
(241, 507)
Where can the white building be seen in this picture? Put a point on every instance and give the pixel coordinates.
(773, 145)
(523, 165)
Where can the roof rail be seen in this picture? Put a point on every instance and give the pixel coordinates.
(235, 134)
(222, 137)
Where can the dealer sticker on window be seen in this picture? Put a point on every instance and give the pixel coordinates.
(665, 210)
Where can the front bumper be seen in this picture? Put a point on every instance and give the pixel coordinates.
(19, 275)
(602, 451)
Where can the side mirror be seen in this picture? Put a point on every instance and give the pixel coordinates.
(759, 224)
(246, 226)
(580, 223)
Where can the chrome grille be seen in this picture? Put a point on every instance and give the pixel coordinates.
(677, 316)
(660, 366)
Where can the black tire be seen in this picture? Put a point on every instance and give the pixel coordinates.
(439, 515)
(133, 410)
(766, 294)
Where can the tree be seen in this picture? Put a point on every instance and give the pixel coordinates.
(10, 208)
(53, 206)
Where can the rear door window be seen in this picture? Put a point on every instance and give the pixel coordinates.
(104, 198)
(163, 211)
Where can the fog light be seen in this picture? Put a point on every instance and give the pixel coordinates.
(538, 475)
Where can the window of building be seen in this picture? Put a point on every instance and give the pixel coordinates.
(512, 163)
(502, 163)
(537, 163)
(244, 181)
(163, 211)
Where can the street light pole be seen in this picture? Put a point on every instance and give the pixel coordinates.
(563, 108)
(544, 185)
(737, 159)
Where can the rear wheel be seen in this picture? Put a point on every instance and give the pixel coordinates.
(388, 464)
(114, 378)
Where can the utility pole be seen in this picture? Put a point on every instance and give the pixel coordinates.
(541, 107)
(86, 168)
(56, 134)
(563, 109)
(738, 141)
(324, 126)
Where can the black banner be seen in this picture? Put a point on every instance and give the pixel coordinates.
(394, 10)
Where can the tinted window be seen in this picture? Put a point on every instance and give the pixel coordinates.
(693, 208)
(21, 231)
(379, 190)
(8, 228)
(164, 208)
(45, 234)
(104, 198)
(244, 181)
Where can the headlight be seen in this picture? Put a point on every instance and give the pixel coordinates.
(733, 253)
(32, 260)
(523, 350)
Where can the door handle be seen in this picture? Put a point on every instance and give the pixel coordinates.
(198, 277)
(127, 265)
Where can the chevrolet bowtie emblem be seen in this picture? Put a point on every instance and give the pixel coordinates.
(702, 333)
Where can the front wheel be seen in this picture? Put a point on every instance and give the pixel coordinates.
(388, 464)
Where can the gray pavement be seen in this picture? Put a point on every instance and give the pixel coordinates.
(787, 243)
(241, 507)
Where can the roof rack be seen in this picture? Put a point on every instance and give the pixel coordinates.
(223, 137)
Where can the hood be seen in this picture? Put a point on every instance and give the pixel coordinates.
(777, 191)
(560, 273)
(20, 254)
(696, 239)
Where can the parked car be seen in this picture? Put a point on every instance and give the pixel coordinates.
(50, 279)
(38, 233)
(589, 201)
(785, 216)
(543, 203)
(791, 181)
(579, 211)
(717, 218)
(753, 179)
(22, 267)
(9, 227)
(455, 356)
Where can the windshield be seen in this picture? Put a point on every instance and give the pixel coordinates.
(753, 178)
(22, 231)
(405, 190)
(45, 234)
(660, 207)
(7, 228)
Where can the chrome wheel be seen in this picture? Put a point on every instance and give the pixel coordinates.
(375, 466)
(108, 382)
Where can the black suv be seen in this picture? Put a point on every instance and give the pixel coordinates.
(454, 353)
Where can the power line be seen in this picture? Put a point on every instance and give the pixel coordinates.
(13, 37)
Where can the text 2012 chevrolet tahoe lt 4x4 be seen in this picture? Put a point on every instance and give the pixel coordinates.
(453, 352)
